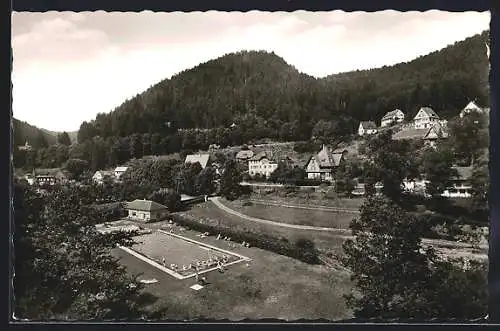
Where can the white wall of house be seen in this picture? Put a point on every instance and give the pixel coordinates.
(386, 122)
(362, 131)
(139, 215)
(422, 120)
(263, 167)
(458, 191)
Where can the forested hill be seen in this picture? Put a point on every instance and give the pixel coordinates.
(267, 92)
(36, 137)
(443, 79)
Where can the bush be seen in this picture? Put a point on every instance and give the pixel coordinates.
(308, 182)
(306, 252)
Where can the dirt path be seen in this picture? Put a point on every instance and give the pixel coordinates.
(342, 232)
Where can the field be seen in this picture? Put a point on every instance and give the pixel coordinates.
(211, 214)
(318, 218)
(181, 252)
(270, 286)
(318, 199)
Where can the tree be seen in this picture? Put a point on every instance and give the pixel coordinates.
(186, 180)
(396, 277)
(63, 138)
(63, 266)
(136, 146)
(469, 136)
(41, 141)
(168, 198)
(76, 168)
(344, 178)
(230, 187)
(439, 171)
(480, 182)
(390, 162)
(205, 181)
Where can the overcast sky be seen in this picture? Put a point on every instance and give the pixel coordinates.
(67, 67)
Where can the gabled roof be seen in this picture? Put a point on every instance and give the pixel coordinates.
(429, 111)
(439, 129)
(244, 154)
(261, 155)
(326, 159)
(393, 113)
(202, 159)
(121, 169)
(472, 106)
(104, 173)
(144, 205)
(368, 125)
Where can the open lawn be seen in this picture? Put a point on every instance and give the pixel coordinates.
(318, 218)
(211, 214)
(315, 199)
(271, 286)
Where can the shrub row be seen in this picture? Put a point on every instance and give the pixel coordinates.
(305, 253)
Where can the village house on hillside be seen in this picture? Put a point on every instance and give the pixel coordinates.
(119, 171)
(425, 118)
(367, 127)
(25, 147)
(202, 159)
(461, 187)
(43, 177)
(101, 175)
(392, 117)
(145, 210)
(262, 164)
(472, 107)
(322, 165)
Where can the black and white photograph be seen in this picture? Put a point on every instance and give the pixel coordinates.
(241, 166)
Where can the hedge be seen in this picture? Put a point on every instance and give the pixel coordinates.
(307, 253)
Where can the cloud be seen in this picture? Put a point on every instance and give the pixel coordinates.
(57, 39)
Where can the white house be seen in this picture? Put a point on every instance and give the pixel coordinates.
(367, 127)
(30, 179)
(461, 187)
(392, 117)
(202, 159)
(145, 210)
(425, 118)
(101, 175)
(25, 147)
(262, 164)
(322, 165)
(119, 171)
(471, 107)
(414, 185)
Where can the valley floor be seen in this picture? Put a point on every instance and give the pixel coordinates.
(271, 286)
